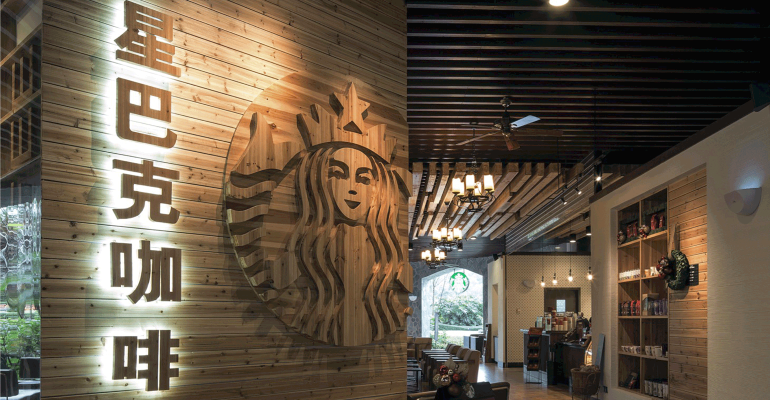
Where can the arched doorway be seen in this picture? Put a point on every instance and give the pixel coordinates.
(454, 297)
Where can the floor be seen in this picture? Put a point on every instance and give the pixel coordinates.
(519, 389)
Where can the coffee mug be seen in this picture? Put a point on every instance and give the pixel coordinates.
(648, 350)
(664, 387)
(657, 351)
(647, 387)
(656, 389)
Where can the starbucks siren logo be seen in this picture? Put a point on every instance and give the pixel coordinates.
(459, 282)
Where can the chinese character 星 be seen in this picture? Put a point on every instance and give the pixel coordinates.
(140, 40)
(146, 178)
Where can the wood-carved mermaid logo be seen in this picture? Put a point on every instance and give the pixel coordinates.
(315, 200)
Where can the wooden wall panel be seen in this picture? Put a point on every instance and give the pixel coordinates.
(228, 52)
(688, 325)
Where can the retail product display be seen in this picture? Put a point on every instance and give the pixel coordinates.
(656, 388)
(642, 297)
(626, 275)
(652, 306)
(631, 382)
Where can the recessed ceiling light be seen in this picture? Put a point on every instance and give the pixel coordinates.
(558, 3)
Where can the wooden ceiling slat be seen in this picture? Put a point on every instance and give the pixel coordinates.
(509, 208)
(417, 169)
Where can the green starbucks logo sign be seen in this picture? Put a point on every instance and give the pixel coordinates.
(459, 282)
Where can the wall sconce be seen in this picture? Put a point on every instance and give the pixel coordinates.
(412, 297)
(744, 201)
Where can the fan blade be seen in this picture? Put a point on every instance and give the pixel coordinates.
(515, 145)
(538, 132)
(510, 143)
(487, 125)
(524, 121)
(477, 138)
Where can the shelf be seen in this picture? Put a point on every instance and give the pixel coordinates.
(628, 317)
(650, 277)
(631, 243)
(20, 168)
(654, 316)
(629, 280)
(635, 391)
(656, 234)
(625, 353)
(20, 104)
(24, 43)
(645, 356)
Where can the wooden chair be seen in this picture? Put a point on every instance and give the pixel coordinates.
(473, 358)
(421, 344)
(411, 351)
(499, 389)
(435, 362)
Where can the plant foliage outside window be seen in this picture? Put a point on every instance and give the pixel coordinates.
(461, 311)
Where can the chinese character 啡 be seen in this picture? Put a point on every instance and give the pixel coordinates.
(158, 359)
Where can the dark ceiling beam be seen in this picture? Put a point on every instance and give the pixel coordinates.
(614, 6)
(574, 56)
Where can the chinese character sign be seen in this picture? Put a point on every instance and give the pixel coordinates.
(136, 187)
(148, 39)
(158, 359)
(150, 102)
(161, 272)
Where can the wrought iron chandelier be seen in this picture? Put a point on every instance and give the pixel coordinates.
(447, 239)
(435, 259)
(471, 194)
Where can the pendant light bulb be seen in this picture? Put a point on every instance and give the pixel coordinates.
(578, 191)
(558, 3)
(542, 281)
(590, 275)
(570, 278)
(555, 282)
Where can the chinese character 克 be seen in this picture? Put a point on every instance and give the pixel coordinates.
(146, 179)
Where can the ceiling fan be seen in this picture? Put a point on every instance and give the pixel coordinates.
(507, 128)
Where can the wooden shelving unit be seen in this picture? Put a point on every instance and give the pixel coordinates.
(639, 254)
(20, 96)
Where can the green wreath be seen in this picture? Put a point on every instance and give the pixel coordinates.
(678, 280)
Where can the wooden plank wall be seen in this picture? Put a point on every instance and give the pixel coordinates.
(231, 346)
(688, 333)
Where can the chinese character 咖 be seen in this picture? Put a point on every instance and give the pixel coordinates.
(150, 102)
(141, 42)
(161, 272)
(146, 179)
(158, 359)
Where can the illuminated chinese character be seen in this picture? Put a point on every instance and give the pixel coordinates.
(161, 272)
(147, 101)
(158, 359)
(136, 187)
(140, 42)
